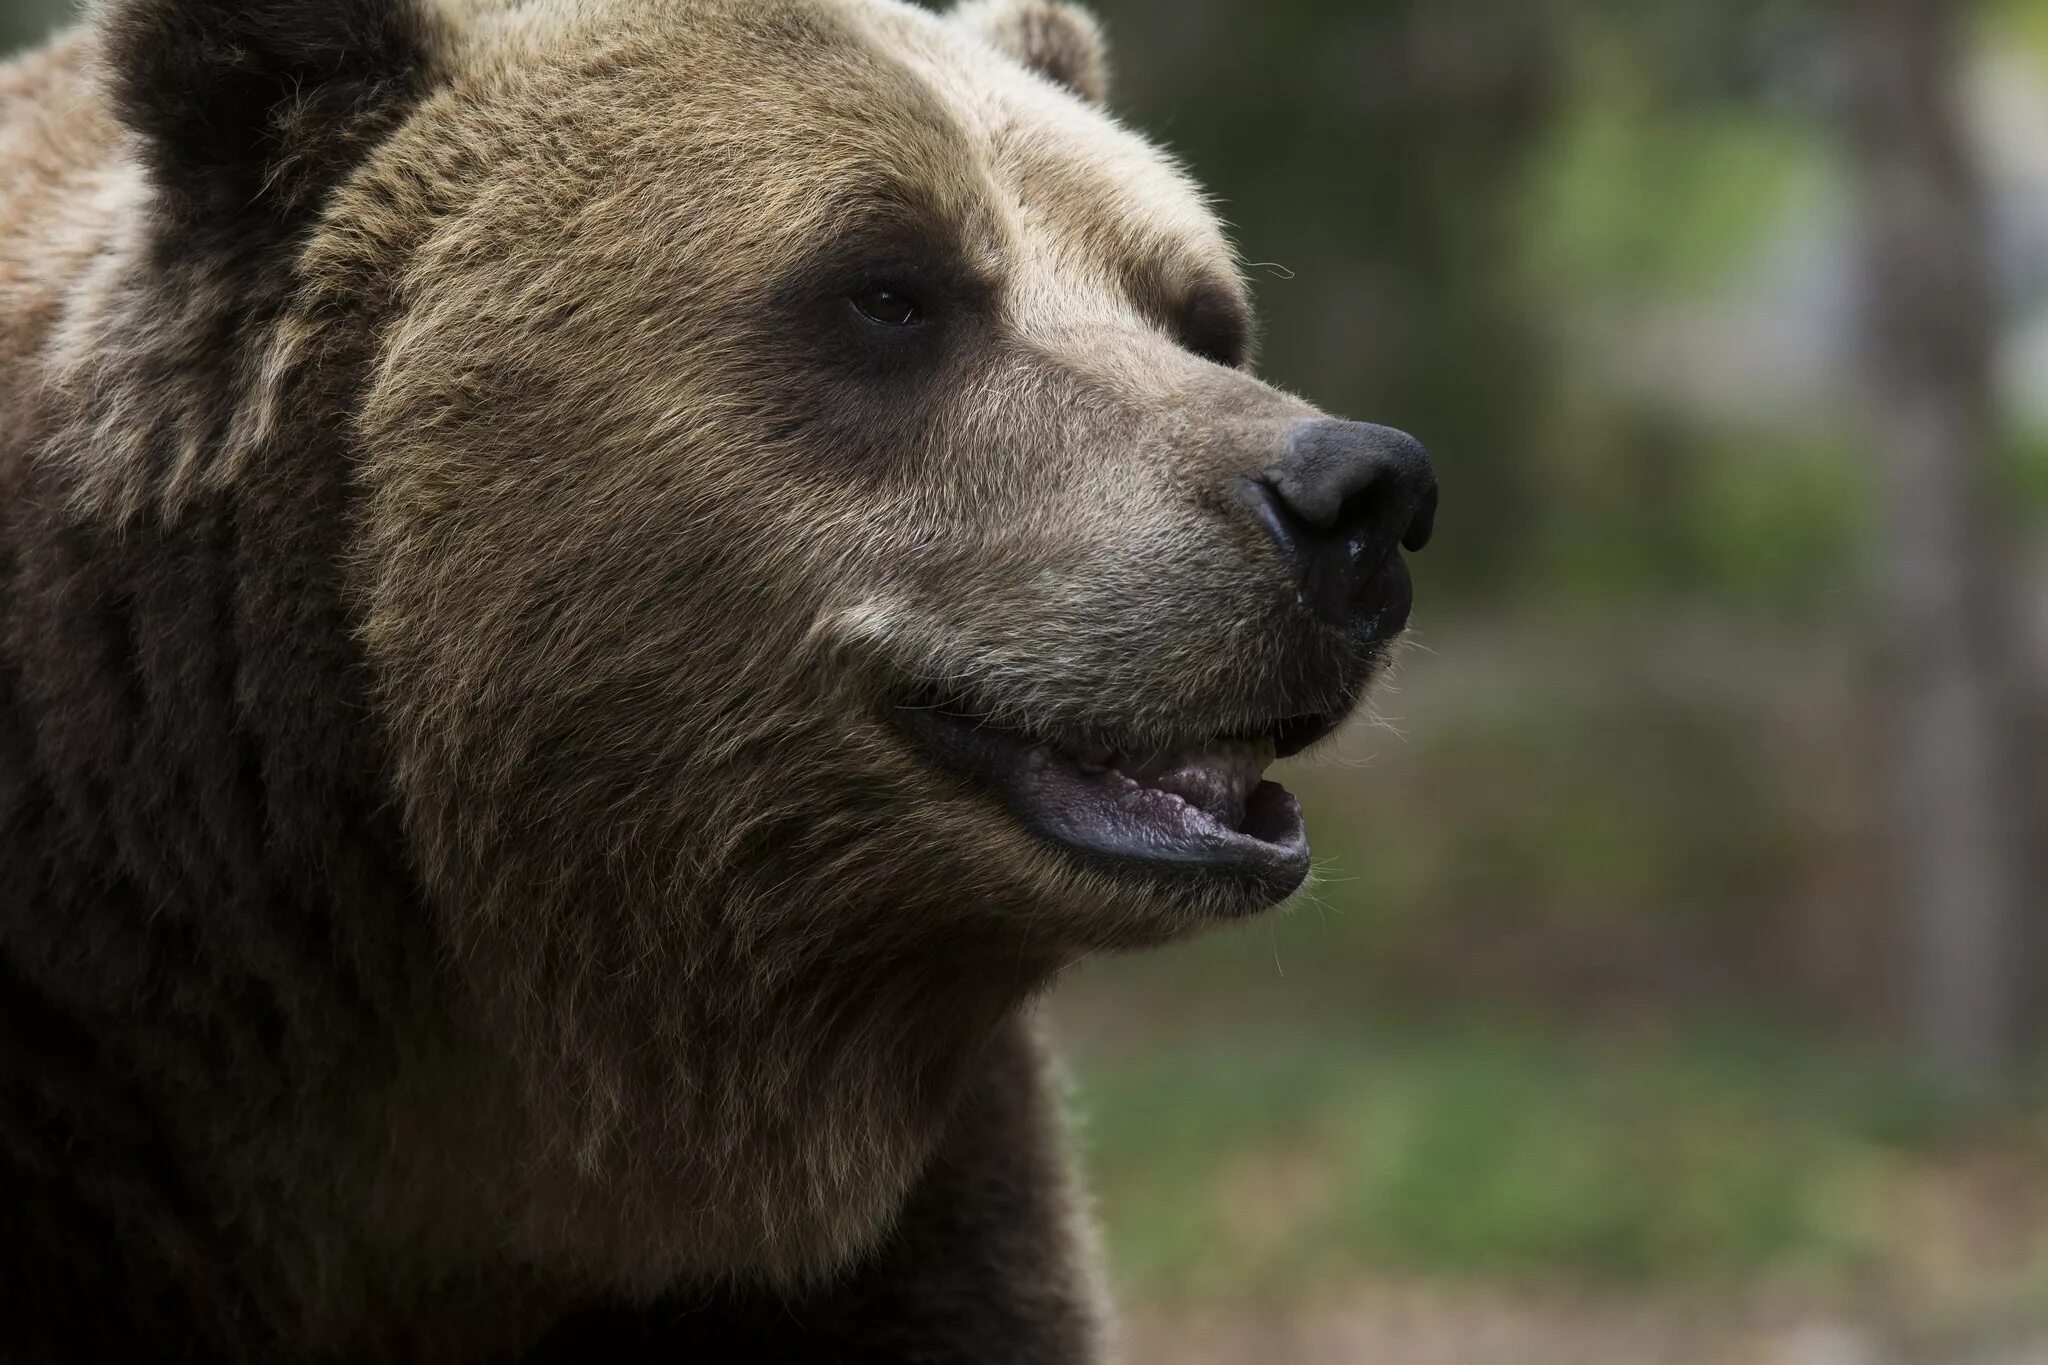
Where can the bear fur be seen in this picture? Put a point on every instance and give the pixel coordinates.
(461, 897)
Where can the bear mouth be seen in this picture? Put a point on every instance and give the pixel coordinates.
(1197, 809)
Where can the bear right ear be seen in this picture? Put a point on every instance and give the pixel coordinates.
(254, 106)
(1060, 41)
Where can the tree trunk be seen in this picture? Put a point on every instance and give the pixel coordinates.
(1952, 668)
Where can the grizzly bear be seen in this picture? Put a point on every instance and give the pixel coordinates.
(594, 596)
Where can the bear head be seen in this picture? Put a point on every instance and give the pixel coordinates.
(822, 554)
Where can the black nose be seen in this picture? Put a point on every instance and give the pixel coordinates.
(1347, 497)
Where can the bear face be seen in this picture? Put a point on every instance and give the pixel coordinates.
(819, 557)
(648, 355)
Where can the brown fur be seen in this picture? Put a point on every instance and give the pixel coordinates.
(454, 578)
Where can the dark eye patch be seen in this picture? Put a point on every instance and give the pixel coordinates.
(865, 342)
(888, 296)
(1216, 325)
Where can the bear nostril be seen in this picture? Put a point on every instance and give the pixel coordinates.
(1345, 499)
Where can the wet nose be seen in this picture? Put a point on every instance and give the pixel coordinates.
(1340, 505)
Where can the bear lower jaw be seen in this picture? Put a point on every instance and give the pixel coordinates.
(1198, 814)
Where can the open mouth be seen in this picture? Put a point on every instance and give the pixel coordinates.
(1197, 809)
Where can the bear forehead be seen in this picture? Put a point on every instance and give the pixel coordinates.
(818, 109)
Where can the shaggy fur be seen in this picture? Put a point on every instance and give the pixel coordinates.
(464, 897)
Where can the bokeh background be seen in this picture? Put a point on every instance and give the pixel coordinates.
(1671, 988)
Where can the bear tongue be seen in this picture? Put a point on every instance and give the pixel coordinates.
(1216, 781)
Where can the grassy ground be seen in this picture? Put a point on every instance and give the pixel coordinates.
(1401, 1323)
(1634, 1186)
(1614, 1162)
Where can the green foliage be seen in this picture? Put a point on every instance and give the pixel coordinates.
(1774, 521)
(2017, 26)
(1631, 194)
(2025, 474)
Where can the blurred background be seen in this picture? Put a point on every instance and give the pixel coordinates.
(1671, 990)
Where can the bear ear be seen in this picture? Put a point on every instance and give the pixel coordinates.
(1059, 41)
(255, 106)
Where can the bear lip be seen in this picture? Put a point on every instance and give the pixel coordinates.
(1199, 811)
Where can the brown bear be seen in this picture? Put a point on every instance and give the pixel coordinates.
(594, 595)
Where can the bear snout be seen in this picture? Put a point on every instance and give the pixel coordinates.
(1340, 506)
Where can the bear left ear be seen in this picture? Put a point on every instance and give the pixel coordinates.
(1059, 41)
(254, 106)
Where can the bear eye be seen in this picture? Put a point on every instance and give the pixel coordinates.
(887, 305)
